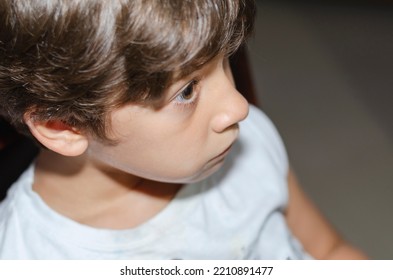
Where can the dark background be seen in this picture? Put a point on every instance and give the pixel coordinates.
(324, 74)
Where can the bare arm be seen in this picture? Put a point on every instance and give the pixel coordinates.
(317, 235)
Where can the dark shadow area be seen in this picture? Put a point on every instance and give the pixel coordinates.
(360, 37)
(15, 156)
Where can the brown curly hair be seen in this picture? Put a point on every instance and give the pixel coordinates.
(76, 60)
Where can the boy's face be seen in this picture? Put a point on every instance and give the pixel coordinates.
(186, 139)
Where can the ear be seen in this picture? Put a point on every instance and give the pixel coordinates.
(58, 136)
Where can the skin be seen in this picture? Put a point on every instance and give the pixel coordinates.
(157, 151)
(313, 230)
(180, 141)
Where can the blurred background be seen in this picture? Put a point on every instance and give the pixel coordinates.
(324, 74)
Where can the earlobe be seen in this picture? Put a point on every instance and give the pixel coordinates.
(58, 136)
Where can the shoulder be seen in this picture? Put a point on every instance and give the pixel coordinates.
(11, 206)
(260, 137)
(18, 219)
(259, 125)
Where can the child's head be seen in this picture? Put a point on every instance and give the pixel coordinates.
(148, 76)
(75, 60)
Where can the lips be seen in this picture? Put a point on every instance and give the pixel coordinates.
(226, 151)
(223, 154)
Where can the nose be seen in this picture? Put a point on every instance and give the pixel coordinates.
(231, 109)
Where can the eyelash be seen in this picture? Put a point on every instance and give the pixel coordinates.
(189, 89)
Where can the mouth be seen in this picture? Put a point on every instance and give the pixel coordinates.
(222, 154)
(225, 152)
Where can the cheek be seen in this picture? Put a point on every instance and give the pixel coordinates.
(173, 161)
(165, 155)
(175, 151)
(164, 147)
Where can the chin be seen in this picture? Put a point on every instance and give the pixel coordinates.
(204, 173)
(187, 176)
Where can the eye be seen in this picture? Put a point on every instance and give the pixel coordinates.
(188, 95)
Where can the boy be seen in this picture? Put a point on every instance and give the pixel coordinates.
(134, 106)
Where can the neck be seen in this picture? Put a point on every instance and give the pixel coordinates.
(97, 196)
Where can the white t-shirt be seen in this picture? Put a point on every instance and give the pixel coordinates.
(237, 213)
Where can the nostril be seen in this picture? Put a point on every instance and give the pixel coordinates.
(235, 126)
